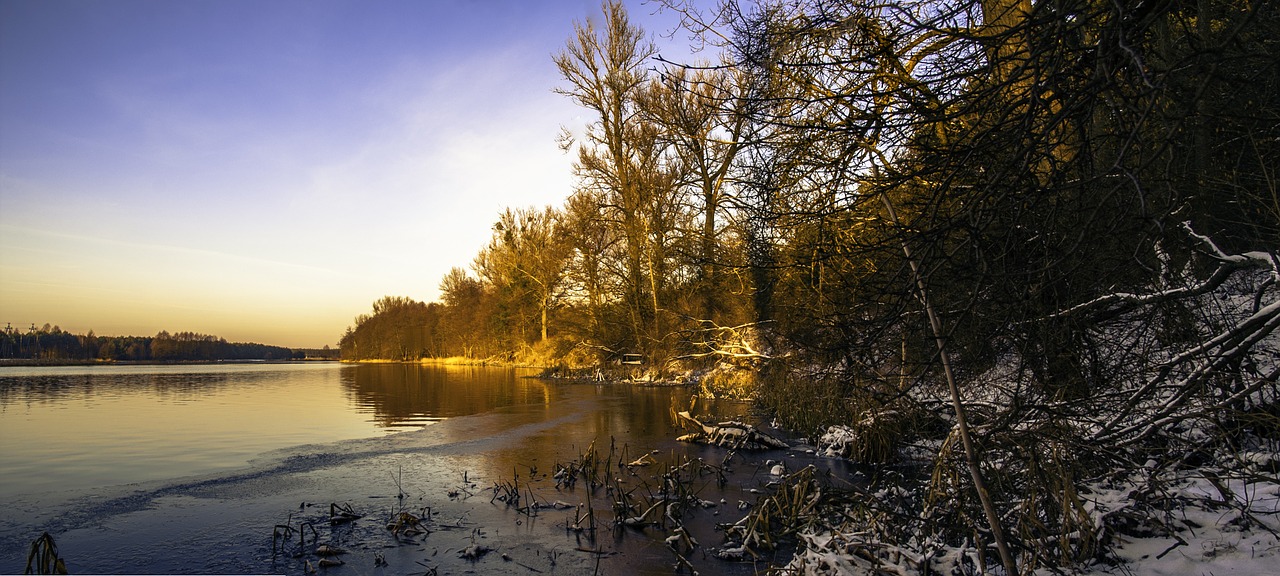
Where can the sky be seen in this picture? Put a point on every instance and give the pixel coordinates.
(264, 170)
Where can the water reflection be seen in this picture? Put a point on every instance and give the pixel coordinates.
(85, 427)
(629, 420)
(53, 385)
(61, 431)
(400, 396)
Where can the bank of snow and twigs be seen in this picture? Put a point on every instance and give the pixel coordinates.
(1220, 516)
(1168, 465)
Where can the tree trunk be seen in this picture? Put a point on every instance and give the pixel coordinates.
(544, 318)
(962, 423)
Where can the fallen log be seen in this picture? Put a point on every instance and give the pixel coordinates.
(732, 435)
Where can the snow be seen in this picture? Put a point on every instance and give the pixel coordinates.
(1218, 526)
(837, 441)
(1213, 537)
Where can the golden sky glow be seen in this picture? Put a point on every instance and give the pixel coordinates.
(156, 176)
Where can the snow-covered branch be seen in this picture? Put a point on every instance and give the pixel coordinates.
(1229, 345)
(1116, 303)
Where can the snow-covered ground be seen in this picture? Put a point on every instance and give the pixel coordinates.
(1198, 524)
(1204, 509)
(1218, 526)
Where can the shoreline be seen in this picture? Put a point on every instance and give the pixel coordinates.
(588, 375)
(492, 482)
(448, 361)
(29, 362)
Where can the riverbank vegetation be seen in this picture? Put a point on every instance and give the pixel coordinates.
(1030, 245)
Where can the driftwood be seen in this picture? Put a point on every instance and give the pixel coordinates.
(734, 435)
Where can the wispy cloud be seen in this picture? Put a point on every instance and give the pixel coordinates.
(314, 164)
(10, 232)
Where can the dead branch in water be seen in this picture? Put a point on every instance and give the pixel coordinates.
(733, 435)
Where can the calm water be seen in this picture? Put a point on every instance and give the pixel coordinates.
(190, 469)
(64, 428)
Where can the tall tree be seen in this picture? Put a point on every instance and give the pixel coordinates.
(619, 159)
(466, 307)
(592, 245)
(697, 109)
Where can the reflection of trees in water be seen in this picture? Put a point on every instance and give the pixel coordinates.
(165, 386)
(568, 417)
(399, 393)
(635, 419)
(43, 389)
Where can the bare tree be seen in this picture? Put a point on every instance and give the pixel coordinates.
(605, 71)
(526, 261)
(696, 108)
(622, 163)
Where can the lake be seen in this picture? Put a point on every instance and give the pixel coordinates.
(192, 468)
(90, 426)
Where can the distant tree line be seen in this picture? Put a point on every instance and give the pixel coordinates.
(324, 353)
(52, 343)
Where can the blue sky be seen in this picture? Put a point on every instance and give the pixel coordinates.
(265, 170)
